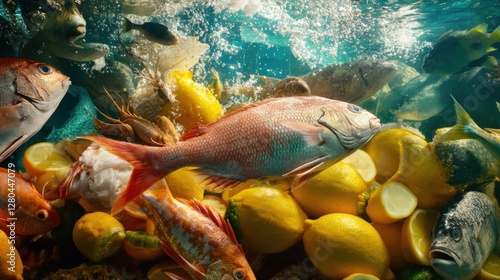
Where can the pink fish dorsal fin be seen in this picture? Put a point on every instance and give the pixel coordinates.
(182, 261)
(215, 217)
(312, 134)
(194, 132)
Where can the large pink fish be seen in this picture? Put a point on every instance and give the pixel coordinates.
(275, 137)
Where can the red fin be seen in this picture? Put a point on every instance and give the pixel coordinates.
(216, 217)
(182, 261)
(143, 175)
(65, 185)
(312, 134)
(214, 183)
(194, 132)
(307, 168)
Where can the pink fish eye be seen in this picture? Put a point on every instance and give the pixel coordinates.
(44, 69)
(41, 215)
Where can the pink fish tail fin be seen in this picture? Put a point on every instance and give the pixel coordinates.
(144, 173)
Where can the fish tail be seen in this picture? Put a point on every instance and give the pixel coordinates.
(144, 174)
(495, 35)
(127, 25)
(465, 128)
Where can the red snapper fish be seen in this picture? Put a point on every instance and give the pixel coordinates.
(194, 235)
(22, 205)
(289, 136)
(30, 92)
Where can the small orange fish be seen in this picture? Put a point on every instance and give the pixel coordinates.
(195, 236)
(22, 208)
(288, 136)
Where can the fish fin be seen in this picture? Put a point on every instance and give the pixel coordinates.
(491, 49)
(307, 168)
(491, 63)
(460, 130)
(64, 186)
(312, 134)
(182, 261)
(196, 131)
(487, 188)
(127, 25)
(213, 183)
(144, 174)
(482, 28)
(13, 146)
(215, 217)
(495, 35)
(444, 35)
(174, 276)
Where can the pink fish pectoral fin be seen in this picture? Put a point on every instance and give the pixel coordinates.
(182, 261)
(13, 146)
(175, 276)
(307, 168)
(312, 134)
(213, 183)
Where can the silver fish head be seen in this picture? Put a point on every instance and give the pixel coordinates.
(353, 125)
(464, 235)
(371, 75)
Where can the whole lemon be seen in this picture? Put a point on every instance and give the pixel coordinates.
(339, 188)
(265, 219)
(183, 184)
(341, 244)
(98, 235)
(11, 266)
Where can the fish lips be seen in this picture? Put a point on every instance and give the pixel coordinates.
(445, 263)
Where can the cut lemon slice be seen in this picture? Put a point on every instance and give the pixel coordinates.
(43, 157)
(391, 202)
(363, 163)
(491, 268)
(416, 236)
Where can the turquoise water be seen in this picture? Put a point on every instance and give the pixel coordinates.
(276, 38)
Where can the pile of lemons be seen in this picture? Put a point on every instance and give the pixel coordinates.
(368, 216)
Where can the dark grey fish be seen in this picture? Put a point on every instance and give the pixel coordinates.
(153, 31)
(465, 233)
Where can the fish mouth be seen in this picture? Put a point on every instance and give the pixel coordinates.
(444, 262)
(66, 83)
(375, 123)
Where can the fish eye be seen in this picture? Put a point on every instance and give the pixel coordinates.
(354, 108)
(41, 215)
(456, 233)
(239, 273)
(44, 69)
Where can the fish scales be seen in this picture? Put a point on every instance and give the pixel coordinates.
(272, 138)
(192, 238)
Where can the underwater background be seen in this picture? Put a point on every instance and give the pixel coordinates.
(246, 40)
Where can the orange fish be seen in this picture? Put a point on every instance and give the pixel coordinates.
(195, 236)
(272, 138)
(22, 208)
(30, 92)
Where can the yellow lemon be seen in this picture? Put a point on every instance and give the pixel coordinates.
(416, 236)
(391, 202)
(98, 235)
(157, 271)
(42, 158)
(384, 149)
(361, 276)
(339, 188)
(422, 172)
(11, 265)
(363, 163)
(341, 244)
(265, 219)
(184, 184)
(391, 234)
(194, 104)
(216, 203)
(282, 183)
(491, 268)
